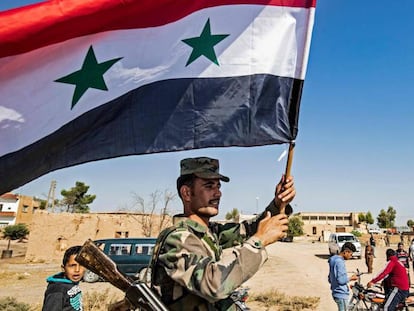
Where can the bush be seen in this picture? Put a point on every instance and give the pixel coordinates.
(11, 304)
(285, 303)
(97, 301)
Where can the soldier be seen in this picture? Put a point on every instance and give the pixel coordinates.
(197, 264)
(369, 257)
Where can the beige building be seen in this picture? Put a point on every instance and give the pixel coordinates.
(17, 209)
(321, 224)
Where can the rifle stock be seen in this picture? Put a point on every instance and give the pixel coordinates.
(138, 294)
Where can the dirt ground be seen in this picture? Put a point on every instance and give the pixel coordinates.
(296, 269)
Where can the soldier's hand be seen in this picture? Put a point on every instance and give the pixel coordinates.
(272, 229)
(285, 192)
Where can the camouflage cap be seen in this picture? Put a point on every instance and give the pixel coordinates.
(202, 167)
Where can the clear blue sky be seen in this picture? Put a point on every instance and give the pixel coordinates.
(354, 149)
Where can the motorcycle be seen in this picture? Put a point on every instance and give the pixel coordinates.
(372, 299)
(240, 296)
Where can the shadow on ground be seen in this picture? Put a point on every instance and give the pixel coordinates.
(323, 256)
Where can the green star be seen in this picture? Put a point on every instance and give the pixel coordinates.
(89, 76)
(204, 45)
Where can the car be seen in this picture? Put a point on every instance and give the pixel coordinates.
(131, 255)
(336, 240)
(374, 229)
(288, 238)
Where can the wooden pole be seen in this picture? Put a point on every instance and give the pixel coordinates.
(289, 159)
(288, 166)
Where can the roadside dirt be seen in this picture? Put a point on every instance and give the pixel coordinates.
(296, 269)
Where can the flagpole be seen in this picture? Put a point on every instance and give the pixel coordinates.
(289, 165)
(289, 159)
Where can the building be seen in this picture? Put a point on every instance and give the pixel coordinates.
(17, 209)
(321, 224)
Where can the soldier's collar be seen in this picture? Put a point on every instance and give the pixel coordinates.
(195, 225)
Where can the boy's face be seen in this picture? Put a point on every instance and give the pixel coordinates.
(73, 270)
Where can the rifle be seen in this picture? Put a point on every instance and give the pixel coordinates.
(138, 294)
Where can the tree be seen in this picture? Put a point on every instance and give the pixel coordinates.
(42, 203)
(76, 200)
(386, 219)
(361, 218)
(410, 223)
(148, 210)
(15, 232)
(369, 219)
(233, 215)
(295, 226)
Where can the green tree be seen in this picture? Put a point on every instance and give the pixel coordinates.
(386, 219)
(356, 233)
(410, 223)
(295, 226)
(233, 215)
(15, 232)
(369, 219)
(76, 200)
(361, 218)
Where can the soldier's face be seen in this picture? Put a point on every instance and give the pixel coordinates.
(204, 197)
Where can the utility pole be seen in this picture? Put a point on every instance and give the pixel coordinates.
(51, 196)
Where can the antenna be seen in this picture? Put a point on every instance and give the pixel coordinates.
(51, 196)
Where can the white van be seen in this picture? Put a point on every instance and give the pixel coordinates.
(336, 240)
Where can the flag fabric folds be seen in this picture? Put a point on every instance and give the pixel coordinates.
(96, 79)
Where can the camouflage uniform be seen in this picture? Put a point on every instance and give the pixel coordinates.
(198, 268)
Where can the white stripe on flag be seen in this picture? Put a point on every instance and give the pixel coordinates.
(269, 40)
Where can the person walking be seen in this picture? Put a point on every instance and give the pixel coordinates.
(197, 264)
(396, 280)
(373, 243)
(369, 257)
(387, 239)
(338, 277)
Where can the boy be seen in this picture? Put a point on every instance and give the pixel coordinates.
(63, 292)
(338, 277)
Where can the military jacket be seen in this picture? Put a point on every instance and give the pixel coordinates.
(197, 268)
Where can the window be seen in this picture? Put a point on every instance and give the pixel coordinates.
(1, 207)
(120, 249)
(121, 234)
(145, 249)
(346, 238)
(25, 208)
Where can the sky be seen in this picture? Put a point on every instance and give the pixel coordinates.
(354, 150)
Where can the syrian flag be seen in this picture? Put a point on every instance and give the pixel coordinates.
(96, 79)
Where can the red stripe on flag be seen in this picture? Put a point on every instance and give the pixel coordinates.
(38, 25)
